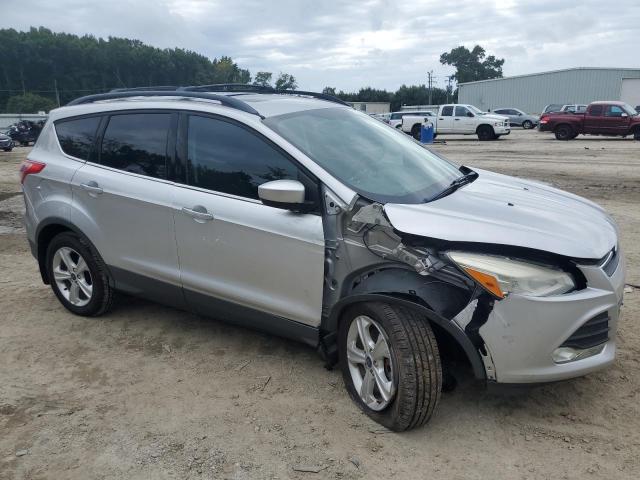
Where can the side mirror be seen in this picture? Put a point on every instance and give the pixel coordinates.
(519, 114)
(624, 115)
(469, 114)
(285, 194)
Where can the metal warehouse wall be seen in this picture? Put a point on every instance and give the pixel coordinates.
(532, 92)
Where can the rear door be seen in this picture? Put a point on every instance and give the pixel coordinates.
(238, 256)
(445, 120)
(122, 201)
(593, 119)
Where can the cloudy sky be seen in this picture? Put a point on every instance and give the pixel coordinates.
(348, 45)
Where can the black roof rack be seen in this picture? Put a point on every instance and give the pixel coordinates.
(205, 92)
(242, 88)
(225, 100)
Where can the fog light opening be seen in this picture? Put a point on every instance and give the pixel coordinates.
(568, 354)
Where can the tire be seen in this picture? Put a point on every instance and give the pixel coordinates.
(564, 132)
(527, 124)
(485, 133)
(413, 367)
(399, 126)
(63, 263)
(636, 134)
(7, 149)
(415, 131)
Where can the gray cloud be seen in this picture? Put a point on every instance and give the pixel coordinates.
(376, 43)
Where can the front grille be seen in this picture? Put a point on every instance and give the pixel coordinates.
(592, 333)
(611, 262)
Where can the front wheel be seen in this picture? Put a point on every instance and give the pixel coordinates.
(527, 124)
(485, 132)
(390, 364)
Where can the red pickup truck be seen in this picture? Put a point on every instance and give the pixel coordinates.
(601, 118)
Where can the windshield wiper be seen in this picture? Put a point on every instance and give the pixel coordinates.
(468, 177)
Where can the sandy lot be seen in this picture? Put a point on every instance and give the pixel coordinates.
(148, 392)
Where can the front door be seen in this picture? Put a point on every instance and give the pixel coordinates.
(234, 251)
(463, 120)
(615, 121)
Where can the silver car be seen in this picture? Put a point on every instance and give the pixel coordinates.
(518, 117)
(292, 213)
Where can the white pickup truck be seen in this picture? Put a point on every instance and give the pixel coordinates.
(462, 120)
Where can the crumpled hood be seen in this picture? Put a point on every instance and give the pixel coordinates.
(499, 209)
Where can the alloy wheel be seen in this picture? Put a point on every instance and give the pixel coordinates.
(370, 363)
(72, 276)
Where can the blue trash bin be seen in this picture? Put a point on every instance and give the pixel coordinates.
(426, 133)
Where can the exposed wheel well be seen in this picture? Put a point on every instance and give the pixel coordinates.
(446, 331)
(563, 125)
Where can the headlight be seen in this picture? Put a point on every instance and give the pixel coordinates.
(501, 275)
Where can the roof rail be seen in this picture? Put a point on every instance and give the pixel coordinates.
(204, 92)
(225, 100)
(241, 88)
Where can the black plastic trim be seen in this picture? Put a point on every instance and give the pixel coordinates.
(331, 324)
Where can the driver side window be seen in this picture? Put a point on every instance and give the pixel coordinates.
(461, 111)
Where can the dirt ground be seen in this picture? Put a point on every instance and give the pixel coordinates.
(148, 392)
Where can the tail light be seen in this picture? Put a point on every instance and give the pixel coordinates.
(544, 119)
(27, 167)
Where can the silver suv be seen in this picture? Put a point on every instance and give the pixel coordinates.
(295, 214)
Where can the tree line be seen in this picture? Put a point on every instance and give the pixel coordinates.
(41, 69)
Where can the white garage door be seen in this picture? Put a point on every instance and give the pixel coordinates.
(630, 91)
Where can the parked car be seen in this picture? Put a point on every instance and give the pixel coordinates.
(467, 120)
(574, 108)
(395, 120)
(6, 143)
(552, 107)
(25, 132)
(601, 118)
(412, 123)
(638, 108)
(518, 117)
(293, 213)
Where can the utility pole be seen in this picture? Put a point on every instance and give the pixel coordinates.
(55, 86)
(449, 91)
(430, 75)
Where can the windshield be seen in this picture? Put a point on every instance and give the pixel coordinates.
(376, 161)
(475, 110)
(629, 109)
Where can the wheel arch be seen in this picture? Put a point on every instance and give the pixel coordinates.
(419, 304)
(47, 231)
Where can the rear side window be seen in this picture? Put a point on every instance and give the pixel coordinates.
(595, 110)
(137, 143)
(225, 157)
(77, 136)
(447, 111)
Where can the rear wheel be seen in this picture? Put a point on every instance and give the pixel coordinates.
(527, 124)
(415, 131)
(564, 132)
(485, 132)
(78, 276)
(390, 364)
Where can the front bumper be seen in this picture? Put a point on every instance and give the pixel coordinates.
(522, 333)
(502, 130)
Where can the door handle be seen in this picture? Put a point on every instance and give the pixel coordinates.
(457, 119)
(92, 187)
(198, 213)
(441, 119)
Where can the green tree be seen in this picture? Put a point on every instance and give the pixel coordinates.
(29, 103)
(263, 79)
(472, 65)
(329, 91)
(286, 82)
